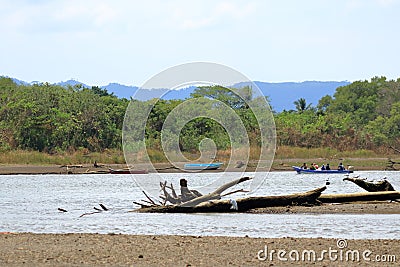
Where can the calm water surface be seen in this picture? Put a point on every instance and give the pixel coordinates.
(28, 203)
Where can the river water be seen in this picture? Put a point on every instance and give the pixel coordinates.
(29, 203)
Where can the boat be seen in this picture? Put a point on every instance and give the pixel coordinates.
(127, 171)
(300, 170)
(202, 166)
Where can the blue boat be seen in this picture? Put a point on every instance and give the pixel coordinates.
(202, 166)
(300, 170)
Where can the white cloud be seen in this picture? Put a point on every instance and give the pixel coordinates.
(100, 13)
(56, 16)
(353, 4)
(357, 4)
(189, 18)
(386, 3)
(48, 17)
(121, 39)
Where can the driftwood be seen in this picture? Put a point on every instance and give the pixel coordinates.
(88, 171)
(72, 166)
(103, 207)
(213, 195)
(239, 205)
(191, 201)
(97, 210)
(239, 164)
(390, 165)
(379, 186)
(167, 168)
(362, 196)
(377, 191)
(395, 149)
(189, 197)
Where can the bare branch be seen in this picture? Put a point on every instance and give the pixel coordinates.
(174, 195)
(214, 195)
(103, 207)
(236, 191)
(141, 204)
(149, 198)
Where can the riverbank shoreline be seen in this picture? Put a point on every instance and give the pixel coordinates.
(360, 164)
(361, 207)
(29, 249)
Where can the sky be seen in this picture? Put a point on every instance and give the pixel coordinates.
(101, 41)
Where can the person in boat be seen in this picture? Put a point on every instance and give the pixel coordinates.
(304, 167)
(328, 168)
(312, 167)
(340, 167)
(323, 167)
(316, 165)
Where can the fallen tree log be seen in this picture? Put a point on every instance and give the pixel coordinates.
(189, 197)
(241, 204)
(213, 195)
(361, 196)
(379, 186)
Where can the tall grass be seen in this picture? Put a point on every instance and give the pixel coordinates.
(117, 157)
(285, 152)
(78, 157)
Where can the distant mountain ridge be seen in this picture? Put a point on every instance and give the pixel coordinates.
(282, 95)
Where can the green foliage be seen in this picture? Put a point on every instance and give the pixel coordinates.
(234, 98)
(200, 128)
(361, 115)
(301, 105)
(54, 119)
(100, 91)
(324, 103)
(360, 99)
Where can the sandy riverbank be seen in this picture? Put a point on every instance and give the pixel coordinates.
(278, 165)
(366, 207)
(14, 169)
(26, 249)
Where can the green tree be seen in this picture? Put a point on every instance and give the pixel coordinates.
(233, 97)
(324, 103)
(100, 91)
(360, 99)
(301, 105)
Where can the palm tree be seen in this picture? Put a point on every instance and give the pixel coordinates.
(301, 105)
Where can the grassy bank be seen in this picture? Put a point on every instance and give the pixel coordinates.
(78, 157)
(285, 157)
(285, 152)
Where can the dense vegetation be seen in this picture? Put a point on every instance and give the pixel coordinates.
(361, 115)
(51, 118)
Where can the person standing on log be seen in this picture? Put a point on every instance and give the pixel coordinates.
(187, 194)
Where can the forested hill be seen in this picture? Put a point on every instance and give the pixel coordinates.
(51, 118)
(282, 95)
